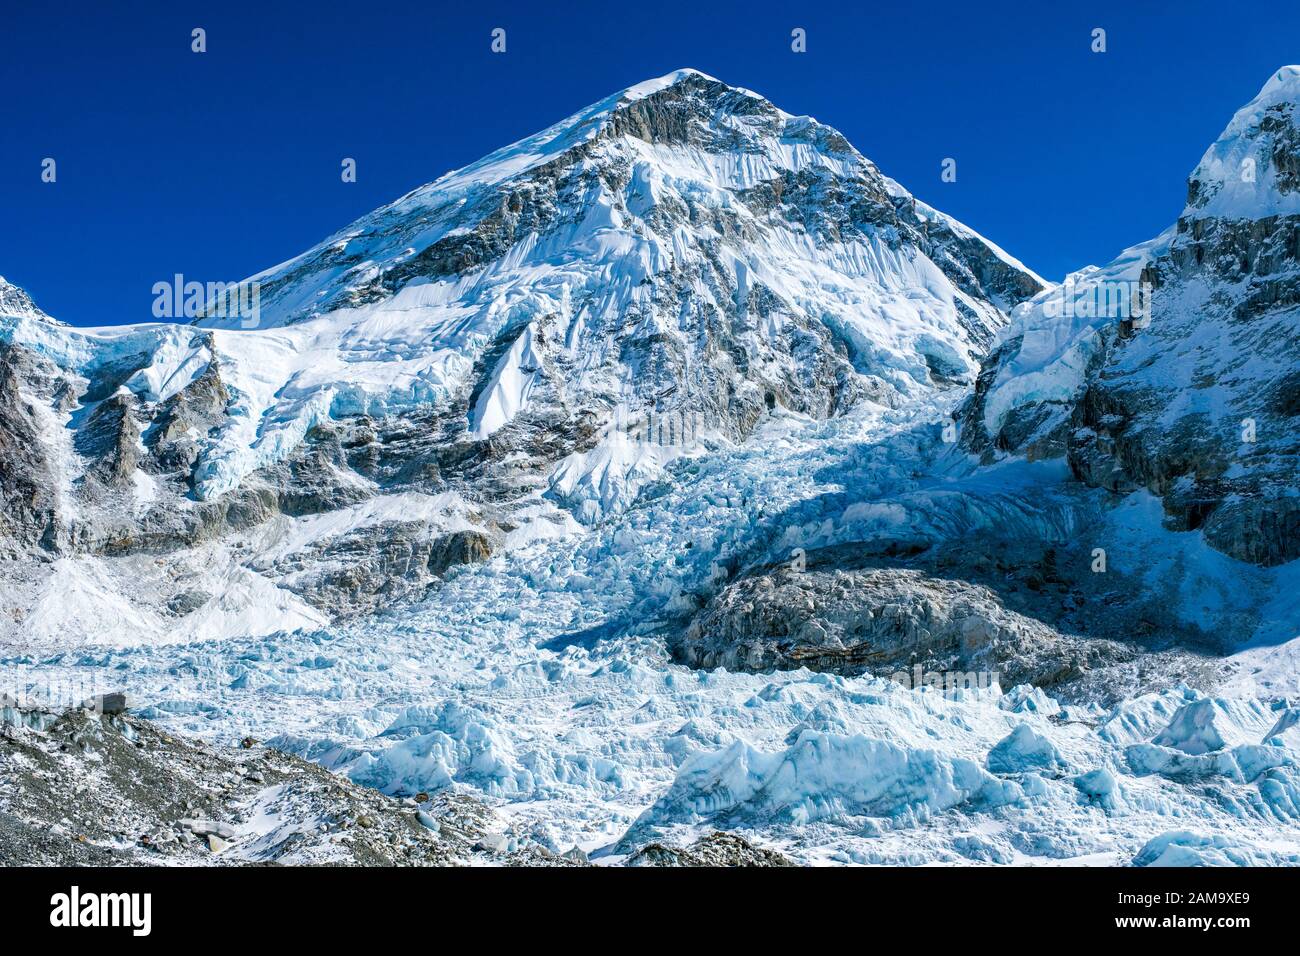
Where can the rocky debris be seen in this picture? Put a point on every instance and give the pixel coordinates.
(109, 704)
(187, 601)
(885, 622)
(717, 849)
(575, 855)
(78, 788)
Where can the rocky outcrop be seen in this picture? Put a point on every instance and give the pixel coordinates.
(28, 503)
(110, 440)
(149, 798)
(716, 849)
(888, 622)
(373, 567)
(16, 301)
(186, 419)
(1196, 399)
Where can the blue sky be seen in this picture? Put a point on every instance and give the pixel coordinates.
(221, 164)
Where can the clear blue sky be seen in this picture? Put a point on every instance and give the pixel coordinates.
(221, 164)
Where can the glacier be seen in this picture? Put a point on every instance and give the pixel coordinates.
(466, 383)
(538, 681)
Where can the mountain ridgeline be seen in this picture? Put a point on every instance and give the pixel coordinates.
(471, 360)
(673, 470)
(514, 353)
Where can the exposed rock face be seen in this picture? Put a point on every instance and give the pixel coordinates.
(1195, 401)
(28, 502)
(185, 419)
(887, 622)
(99, 465)
(148, 798)
(15, 301)
(716, 849)
(364, 569)
(111, 440)
(523, 343)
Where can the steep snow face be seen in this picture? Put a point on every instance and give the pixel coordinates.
(1251, 171)
(1174, 368)
(543, 332)
(681, 246)
(1045, 351)
(14, 302)
(1248, 174)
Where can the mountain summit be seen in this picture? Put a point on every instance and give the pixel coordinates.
(1194, 401)
(682, 247)
(661, 390)
(521, 344)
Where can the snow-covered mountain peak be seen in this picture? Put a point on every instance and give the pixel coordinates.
(1251, 170)
(1285, 83)
(16, 303)
(1172, 369)
(712, 102)
(655, 84)
(675, 236)
(684, 136)
(513, 351)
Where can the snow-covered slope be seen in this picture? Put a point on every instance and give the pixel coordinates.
(1250, 172)
(1194, 394)
(538, 335)
(657, 400)
(682, 246)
